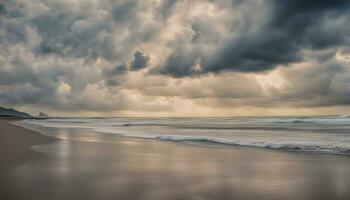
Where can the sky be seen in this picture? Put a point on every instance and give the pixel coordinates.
(175, 57)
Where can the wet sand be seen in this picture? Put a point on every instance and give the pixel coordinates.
(15, 149)
(15, 142)
(88, 165)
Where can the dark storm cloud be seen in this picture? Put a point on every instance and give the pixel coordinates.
(179, 64)
(117, 70)
(2, 9)
(71, 35)
(290, 26)
(140, 61)
(164, 10)
(50, 50)
(120, 12)
(22, 84)
(95, 55)
(254, 52)
(113, 75)
(316, 85)
(90, 31)
(307, 21)
(53, 27)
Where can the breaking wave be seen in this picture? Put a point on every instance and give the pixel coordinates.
(329, 134)
(302, 147)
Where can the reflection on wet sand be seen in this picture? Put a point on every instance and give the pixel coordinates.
(90, 165)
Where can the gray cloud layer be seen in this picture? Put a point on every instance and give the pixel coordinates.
(130, 55)
(286, 28)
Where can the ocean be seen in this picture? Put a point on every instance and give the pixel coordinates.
(320, 134)
(186, 158)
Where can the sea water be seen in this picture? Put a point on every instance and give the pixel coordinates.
(326, 134)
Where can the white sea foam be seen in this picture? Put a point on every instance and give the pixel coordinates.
(317, 134)
(300, 146)
(341, 119)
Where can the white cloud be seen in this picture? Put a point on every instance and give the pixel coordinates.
(63, 88)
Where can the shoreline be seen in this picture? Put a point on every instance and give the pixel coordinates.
(15, 150)
(205, 144)
(16, 141)
(86, 165)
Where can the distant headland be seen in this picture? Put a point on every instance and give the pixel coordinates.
(12, 113)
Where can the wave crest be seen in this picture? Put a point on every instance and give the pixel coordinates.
(303, 147)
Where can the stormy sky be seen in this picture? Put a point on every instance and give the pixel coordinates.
(175, 57)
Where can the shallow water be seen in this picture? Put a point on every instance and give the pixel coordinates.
(330, 134)
(90, 165)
